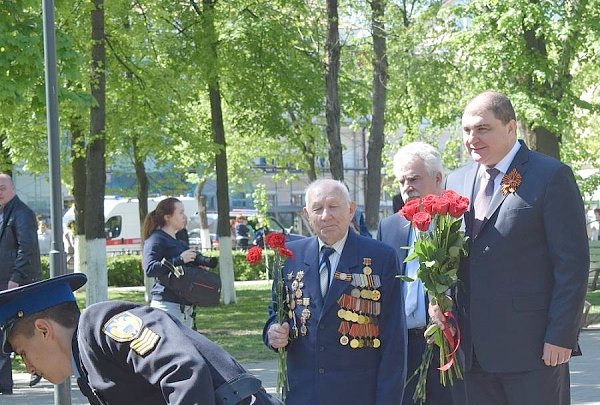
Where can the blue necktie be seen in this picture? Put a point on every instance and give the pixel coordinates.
(325, 269)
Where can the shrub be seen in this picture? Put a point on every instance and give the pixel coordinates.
(126, 270)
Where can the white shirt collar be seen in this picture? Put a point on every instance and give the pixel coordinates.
(337, 246)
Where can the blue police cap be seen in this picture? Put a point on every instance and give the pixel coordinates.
(32, 298)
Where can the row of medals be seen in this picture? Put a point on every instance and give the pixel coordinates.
(360, 310)
(295, 298)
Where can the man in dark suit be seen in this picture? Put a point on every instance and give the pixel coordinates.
(346, 333)
(19, 256)
(418, 169)
(523, 285)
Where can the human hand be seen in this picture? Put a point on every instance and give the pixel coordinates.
(188, 255)
(11, 285)
(555, 355)
(278, 335)
(436, 316)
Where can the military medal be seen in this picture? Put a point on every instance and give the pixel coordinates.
(344, 329)
(367, 269)
(303, 328)
(306, 313)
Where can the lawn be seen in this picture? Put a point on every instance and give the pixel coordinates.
(237, 328)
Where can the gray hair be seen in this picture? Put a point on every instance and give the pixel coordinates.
(418, 150)
(338, 185)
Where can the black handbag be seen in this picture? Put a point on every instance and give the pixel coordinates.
(192, 284)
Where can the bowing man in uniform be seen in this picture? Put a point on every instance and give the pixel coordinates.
(120, 352)
(346, 335)
(418, 169)
(523, 284)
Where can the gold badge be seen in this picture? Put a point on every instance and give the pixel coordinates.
(126, 327)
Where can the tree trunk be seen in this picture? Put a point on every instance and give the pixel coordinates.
(218, 133)
(78, 191)
(97, 287)
(202, 218)
(376, 136)
(142, 196)
(332, 107)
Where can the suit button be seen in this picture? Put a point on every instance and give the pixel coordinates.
(322, 327)
(321, 348)
(321, 370)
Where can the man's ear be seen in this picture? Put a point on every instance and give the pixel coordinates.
(352, 208)
(43, 327)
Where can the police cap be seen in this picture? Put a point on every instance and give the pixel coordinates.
(30, 299)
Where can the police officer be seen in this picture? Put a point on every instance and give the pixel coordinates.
(120, 352)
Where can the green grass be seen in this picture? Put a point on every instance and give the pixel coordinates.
(237, 328)
(593, 297)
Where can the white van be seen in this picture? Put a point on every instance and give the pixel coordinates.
(122, 223)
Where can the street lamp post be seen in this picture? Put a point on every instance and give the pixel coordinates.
(62, 392)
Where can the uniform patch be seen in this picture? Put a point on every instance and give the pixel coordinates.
(123, 327)
(145, 343)
(126, 327)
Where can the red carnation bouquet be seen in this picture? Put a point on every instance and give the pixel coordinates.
(438, 251)
(276, 241)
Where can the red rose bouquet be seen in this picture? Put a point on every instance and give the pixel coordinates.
(438, 251)
(276, 241)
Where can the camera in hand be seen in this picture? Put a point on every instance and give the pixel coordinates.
(210, 262)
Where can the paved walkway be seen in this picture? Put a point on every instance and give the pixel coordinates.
(585, 379)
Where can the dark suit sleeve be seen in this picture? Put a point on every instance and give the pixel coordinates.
(391, 374)
(564, 222)
(27, 247)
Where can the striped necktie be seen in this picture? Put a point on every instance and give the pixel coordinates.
(325, 269)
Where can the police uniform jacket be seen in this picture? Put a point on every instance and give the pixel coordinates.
(132, 354)
(321, 370)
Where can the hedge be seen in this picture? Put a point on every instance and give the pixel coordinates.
(126, 270)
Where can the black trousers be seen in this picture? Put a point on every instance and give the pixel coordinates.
(6, 380)
(545, 386)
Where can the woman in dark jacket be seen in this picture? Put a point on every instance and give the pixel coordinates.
(159, 230)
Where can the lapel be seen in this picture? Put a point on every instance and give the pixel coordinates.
(348, 260)
(468, 190)
(7, 213)
(406, 232)
(311, 264)
(520, 163)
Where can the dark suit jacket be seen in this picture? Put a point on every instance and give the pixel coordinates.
(320, 369)
(394, 231)
(19, 248)
(524, 281)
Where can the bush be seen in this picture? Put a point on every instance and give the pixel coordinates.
(123, 271)
(126, 270)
